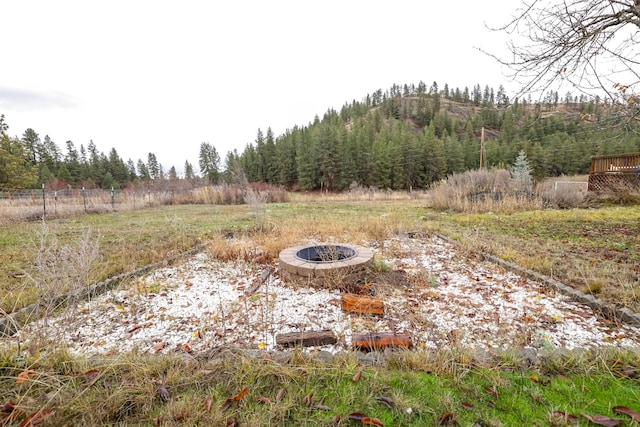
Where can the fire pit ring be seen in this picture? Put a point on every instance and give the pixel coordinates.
(324, 262)
(325, 253)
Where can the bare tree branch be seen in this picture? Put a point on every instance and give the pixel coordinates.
(589, 45)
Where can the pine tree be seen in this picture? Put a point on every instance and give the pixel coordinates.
(173, 175)
(521, 172)
(306, 162)
(64, 174)
(286, 157)
(131, 169)
(188, 171)
(72, 162)
(381, 161)
(209, 161)
(31, 141)
(272, 165)
(454, 154)
(153, 166)
(143, 172)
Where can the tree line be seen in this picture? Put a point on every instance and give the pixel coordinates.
(406, 137)
(30, 161)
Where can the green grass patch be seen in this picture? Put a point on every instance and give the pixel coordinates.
(172, 390)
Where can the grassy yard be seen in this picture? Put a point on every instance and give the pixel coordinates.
(595, 250)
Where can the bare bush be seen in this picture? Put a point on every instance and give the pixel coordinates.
(562, 192)
(481, 191)
(62, 270)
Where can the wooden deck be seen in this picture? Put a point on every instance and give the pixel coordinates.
(614, 173)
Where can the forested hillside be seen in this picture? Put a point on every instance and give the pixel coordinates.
(405, 137)
(410, 136)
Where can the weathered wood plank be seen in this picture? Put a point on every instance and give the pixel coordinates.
(306, 339)
(362, 304)
(373, 341)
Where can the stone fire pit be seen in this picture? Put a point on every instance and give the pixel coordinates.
(325, 264)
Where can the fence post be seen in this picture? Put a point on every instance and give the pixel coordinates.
(44, 204)
(84, 199)
(112, 203)
(134, 200)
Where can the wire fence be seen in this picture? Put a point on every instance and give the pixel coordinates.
(44, 203)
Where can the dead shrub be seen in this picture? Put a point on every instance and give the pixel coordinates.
(481, 191)
(562, 192)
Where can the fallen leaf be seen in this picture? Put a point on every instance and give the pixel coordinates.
(603, 420)
(227, 403)
(445, 419)
(135, 327)
(566, 417)
(466, 405)
(322, 408)
(156, 422)
(24, 375)
(308, 399)
(264, 400)
(492, 392)
(386, 401)
(231, 422)
(38, 417)
(8, 407)
(336, 419)
(372, 422)
(627, 372)
(241, 394)
(635, 416)
(357, 416)
(159, 346)
(357, 376)
(207, 403)
(280, 394)
(91, 376)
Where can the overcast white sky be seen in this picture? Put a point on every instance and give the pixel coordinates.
(162, 77)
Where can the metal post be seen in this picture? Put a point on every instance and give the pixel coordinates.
(84, 198)
(44, 204)
(112, 203)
